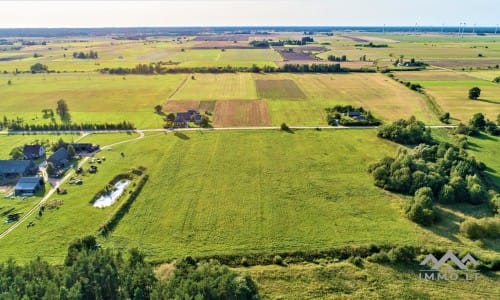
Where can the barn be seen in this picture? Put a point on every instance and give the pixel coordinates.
(28, 185)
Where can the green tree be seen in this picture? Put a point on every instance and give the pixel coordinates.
(71, 151)
(50, 168)
(478, 121)
(62, 108)
(158, 109)
(17, 153)
(39, 68)
(445, 118)
(446, 194)
(420, 208)
(9, 82)
(474, 93)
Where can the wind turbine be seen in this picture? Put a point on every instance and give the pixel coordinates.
(474, 28)
(459, 29)
(463, 29)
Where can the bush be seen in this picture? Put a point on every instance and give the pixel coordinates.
(402, 254)
(356, 260)
(285, 127)
(278, 260)
(482, 228)
(474, 93)
(381, 257)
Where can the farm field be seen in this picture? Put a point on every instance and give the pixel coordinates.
(450, 89)
(300, 99)
(91, 98)
(193, 195)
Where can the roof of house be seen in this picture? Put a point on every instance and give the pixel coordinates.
(15, 166)
(32, 150)
(27, 183)
(354, 113)
(60, 155)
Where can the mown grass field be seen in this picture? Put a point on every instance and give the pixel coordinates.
(451, 90)
(231, 192)
(91, 98)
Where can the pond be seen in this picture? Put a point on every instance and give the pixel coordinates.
(109, 199)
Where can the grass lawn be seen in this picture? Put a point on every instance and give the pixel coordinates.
(288, 192)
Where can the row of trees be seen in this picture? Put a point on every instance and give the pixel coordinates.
(93, 273)
(82, 55)
(479, 123)
(125, 125)
(337, 58)
(267, 43)
(286, 68)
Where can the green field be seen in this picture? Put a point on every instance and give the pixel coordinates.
(198, 203)
(450, 89)
(343, 280)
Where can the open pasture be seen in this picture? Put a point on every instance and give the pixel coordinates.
(226, 192)
(451, 89)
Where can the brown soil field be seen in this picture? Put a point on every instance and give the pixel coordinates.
(229, 113)
(279, 89)
(178, 106)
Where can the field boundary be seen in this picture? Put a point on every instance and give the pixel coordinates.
(179, 87)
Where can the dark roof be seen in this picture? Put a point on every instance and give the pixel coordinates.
(59, 156)
(15, 166)
(354, 113)
(183, 116)
(32, 150)
(28, 183)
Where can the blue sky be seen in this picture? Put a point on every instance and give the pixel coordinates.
(118, 13)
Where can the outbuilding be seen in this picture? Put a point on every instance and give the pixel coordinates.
(28, 185)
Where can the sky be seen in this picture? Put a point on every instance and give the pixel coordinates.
(120, 13)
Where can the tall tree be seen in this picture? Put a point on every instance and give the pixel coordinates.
(62, 108)
(474, 93)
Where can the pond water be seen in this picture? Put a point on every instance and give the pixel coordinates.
(108, 200)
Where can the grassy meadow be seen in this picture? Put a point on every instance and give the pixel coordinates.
(197, 202)
(343, 280)
(451, 90)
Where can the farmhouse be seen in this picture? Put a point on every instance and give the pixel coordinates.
(28, 185)
(15, 168)
(356, 115)
(33, 151)
(84, 147)
(60, 159)
(183, 118)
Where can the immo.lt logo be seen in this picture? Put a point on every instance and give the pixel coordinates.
(449, 267)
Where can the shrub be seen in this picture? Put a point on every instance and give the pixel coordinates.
(402, 254)
(278, 260)
(482, 228)
(474, 93)
(381, 257)
(356, 260)
(285, 127)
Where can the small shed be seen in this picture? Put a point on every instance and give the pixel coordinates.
(28, 185)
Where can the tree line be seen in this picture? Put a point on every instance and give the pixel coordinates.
(90, 272)
(125, 125)
(286, 68)
(82, 55)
